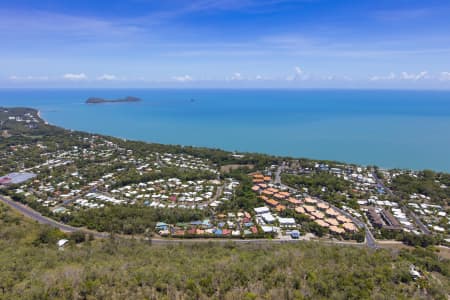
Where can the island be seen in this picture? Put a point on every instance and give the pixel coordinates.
(97, 100)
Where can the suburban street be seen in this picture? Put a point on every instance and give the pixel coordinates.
(419, 223)
(370, 240)
(34, 215)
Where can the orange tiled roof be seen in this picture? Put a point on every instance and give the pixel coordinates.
(310, 200)
(321, 223)
(343, 219)
(255, 188)
(279, 196)
(336, 229)
(272, 202)
(310, 216)
(280, 207)
(331, 212)
(299, 210)
(349, 227)
(267, 192)
(309, 208)
(318, 214)
(294, 200)
(322, 206)
(332, 221)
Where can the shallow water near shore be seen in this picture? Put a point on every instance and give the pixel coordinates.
(404, 129)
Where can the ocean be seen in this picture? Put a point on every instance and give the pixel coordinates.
(391, 129)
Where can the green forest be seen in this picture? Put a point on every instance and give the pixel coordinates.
(426, 182)
(32, 267)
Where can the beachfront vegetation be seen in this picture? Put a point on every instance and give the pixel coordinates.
(427, 183)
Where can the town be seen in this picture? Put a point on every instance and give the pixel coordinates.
(73, 177)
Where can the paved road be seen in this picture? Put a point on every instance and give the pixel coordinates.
(370, 240)
(419, 223)
(277, 180)
(416, 219)
(34, 215)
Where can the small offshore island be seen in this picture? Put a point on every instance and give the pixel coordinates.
(98, 100)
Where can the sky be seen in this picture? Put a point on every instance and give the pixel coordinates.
(225, 43)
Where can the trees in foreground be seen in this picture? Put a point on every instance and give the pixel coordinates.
(32, 267)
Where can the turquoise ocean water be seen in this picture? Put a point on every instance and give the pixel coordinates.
(405, 129)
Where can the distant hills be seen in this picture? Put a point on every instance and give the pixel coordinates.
(97, 100)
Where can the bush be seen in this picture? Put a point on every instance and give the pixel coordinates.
(78, 237)
(49, 235)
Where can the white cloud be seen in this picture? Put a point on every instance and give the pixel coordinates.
(72, 76)
(347, 78)
(444, 76)
(298, 75)
(28, 78)
(107, 77)
(237, 76)
(413, 76)
(390, 76)
(184, 78)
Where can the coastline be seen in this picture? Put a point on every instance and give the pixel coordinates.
(243, 152)
(44, 120)
(167, 135)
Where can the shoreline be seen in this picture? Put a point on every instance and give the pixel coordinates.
(39, 114)
(44, 120)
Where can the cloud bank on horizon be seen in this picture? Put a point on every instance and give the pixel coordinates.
(225, 43)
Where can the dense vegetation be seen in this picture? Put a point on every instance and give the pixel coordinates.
(31, 267)
(244, 197)
(411, 239)
(129, 219)
(324, 185)
(427, 183)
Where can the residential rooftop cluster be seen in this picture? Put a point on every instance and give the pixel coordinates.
(87, 172)
(434, 216)
(233, 225)
(278, 200)
(63, 181)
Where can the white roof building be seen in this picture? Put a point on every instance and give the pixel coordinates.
(267, 229)
(268, 218)
(62, 242)
(261, 210)
(286, 221)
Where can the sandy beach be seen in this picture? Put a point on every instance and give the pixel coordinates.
(40, 117)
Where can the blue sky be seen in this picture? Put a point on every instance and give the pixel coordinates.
(225, 43)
